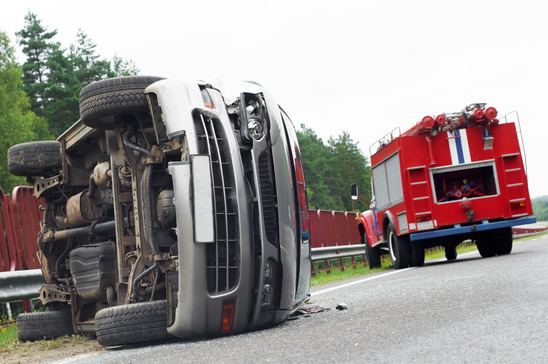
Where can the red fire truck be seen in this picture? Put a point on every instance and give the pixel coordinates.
(449, 178)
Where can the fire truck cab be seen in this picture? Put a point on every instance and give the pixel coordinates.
(449, 178)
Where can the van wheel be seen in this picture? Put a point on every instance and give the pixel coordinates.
(126, 324)
(399, 249)
(34, 159)
(44, 325)
(373, 255)
(101, 102)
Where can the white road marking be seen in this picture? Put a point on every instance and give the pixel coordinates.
(380, 276)
(360, 281)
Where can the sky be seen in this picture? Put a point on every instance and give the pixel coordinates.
(364, 67)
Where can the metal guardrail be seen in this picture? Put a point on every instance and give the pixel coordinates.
(20, 285)
(334, 252)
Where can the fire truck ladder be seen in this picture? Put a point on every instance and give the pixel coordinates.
(422, 203)
(513, 179)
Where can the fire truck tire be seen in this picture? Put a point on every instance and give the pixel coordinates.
(44, 325)
(450, 252)
(102, 101)
(504, 241)
(417, 254)
(126, 324)
(485, 245)
(34, 158)
(372, 254)
(399, 249)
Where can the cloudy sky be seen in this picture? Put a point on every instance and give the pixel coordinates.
(365, 67)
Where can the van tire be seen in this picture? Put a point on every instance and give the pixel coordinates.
(42, 158)
(101, 102)
(44, 325)
(131, 323)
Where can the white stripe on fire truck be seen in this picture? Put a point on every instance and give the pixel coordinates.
(458, 146)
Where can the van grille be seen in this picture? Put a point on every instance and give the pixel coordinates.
(268, 198)
(223, 256)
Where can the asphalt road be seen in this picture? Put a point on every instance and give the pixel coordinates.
(471, 310)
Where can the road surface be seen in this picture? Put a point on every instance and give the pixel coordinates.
(471, 310)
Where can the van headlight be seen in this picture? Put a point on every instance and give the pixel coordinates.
(256, 127)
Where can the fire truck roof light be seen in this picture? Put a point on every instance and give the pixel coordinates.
(491, 113)
(478, 114)
(440, 119)
(427, 122)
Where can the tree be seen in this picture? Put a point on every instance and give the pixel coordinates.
(37, 46)
(71, 70)
(63, 89)
(540, 209)
(331, 169)
(350, 167)
(18, 124)
(120, 67)
(87, 65)
(316, 163)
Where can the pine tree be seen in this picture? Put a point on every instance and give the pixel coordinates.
(87, 65)
(63, 88)
(37, 46)
(120, 67)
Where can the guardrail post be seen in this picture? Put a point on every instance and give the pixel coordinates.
(8, 309)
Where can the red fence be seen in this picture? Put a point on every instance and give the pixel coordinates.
(20, 218)
(333, 228)
(20, 222)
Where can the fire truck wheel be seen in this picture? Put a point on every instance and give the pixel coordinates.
(451, 252)
(373, 255)
(126, 324)
(417, 254)
(399, 249)
(102, 101)
(504, 241)
(485, 245)
(42, 158)
(44, 325)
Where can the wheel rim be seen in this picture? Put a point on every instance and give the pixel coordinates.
(391, 242)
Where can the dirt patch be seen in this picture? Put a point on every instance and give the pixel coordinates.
(48, 350)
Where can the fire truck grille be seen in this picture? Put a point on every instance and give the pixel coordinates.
(223, 256)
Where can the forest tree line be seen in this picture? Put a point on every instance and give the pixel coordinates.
(39, 101)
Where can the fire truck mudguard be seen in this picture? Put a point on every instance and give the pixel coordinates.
(449, 178)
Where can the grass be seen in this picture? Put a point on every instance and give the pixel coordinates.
(336, 274)
(8, 335)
